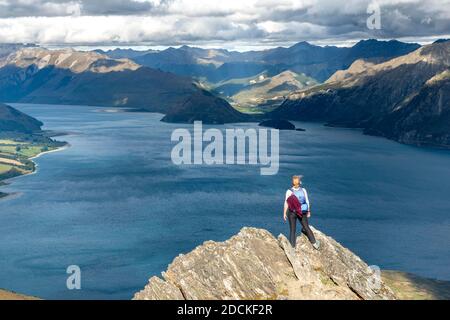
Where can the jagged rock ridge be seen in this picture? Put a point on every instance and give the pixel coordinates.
(255, 265)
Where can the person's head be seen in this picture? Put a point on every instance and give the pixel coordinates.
(297, 181)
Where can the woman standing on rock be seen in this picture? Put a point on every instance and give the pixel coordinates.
(296, 206)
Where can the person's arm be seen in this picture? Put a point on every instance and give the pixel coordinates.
(307, 202)
(286, 207)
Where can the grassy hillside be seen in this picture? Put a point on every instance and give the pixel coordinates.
(263, 92)
(407, 286)
(16, 153)
(21, 139)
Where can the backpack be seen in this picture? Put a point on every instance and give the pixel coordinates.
(301, 198)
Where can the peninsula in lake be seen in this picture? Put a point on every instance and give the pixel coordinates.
(21, 139)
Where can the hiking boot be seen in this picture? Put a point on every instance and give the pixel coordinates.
(316, 245)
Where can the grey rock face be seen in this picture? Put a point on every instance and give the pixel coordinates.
(342, 267)
(159, 289)
(255, 265)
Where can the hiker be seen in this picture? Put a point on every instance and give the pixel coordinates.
(296, 206)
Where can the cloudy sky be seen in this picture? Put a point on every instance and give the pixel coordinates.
(238, 24)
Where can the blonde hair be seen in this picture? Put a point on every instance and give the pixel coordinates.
(297, 177)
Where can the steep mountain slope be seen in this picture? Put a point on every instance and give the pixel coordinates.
(72, 77)
(422, 120)
(12, 120)
(360, 66)
(242, 69)
(263, 89)
(392, 99)
(382, 50)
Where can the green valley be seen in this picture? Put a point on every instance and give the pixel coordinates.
(16, 154)
(21, 139)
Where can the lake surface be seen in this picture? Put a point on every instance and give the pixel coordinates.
(114, 204)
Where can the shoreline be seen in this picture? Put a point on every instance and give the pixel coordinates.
(11, 295)
(66, 146)
(36, 166)
(4, 195)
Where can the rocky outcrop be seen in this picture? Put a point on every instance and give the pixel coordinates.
(255, 265)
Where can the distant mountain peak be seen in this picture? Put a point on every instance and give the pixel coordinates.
(441, 40)
(302, 44)
(386, 45)
(75, 61)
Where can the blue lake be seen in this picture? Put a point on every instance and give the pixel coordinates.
(114, 204)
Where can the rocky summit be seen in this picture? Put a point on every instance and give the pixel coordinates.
(255, 265)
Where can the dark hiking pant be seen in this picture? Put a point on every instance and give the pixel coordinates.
(292, 216)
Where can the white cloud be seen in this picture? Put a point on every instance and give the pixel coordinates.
(271, 26)
(173, 22)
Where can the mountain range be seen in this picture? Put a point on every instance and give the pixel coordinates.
(405, 98)
(66, 76)
(217, 65)
(392, 89)
(231, 73)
